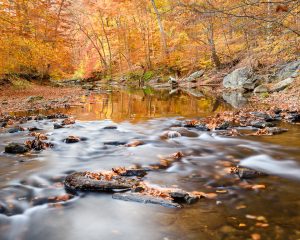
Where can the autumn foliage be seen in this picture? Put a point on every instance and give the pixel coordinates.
(78, 38)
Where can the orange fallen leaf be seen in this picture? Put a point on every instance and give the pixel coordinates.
(255, 236)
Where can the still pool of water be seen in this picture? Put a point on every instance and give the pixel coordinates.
(236, 213)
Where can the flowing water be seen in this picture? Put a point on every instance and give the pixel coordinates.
(236, 213)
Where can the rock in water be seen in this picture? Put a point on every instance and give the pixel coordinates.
(16, 148)
(57, 126)
(141, 198)
(246, 173)
(242, 78)
(261, 124)
(72, 139)
(82, 181)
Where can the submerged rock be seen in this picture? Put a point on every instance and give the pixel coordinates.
(16, 148)
(293, 117)
(184, 132)
(97, 182)
(202, 127)
(170, 134)
(111, 127)
(261, 124)
(57, 126)
(246, 173)
(141, 198)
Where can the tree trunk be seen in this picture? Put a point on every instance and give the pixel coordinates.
(161, 28)
(214, 56)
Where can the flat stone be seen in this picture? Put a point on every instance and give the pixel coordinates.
(110, 127)
(146, 199)
(246, 173)
(261, 124)
(79, 181)
(282, 84)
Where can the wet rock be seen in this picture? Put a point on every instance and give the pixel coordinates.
(68, 121)
(202, 127)
(57, 126)
(223, 126)
(35, 181)
(16, 148)
(246, 173)
(72, 139)
(3, 124)
(55, 199)
(170, 134)
(242, 78)
(263, 116)
(261, 124)
(57, 116)
(146, 199)
(32, 129)
(184, 132)
(114, 143)
(110, 127)
(15, 130)
(275, 130)
(82, 181)
(293, 117)
(130, 172)
(40, 117)
(135, 143)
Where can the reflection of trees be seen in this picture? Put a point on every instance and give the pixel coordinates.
(136, 105)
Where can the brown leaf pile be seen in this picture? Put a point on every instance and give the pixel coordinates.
(38, 143)
(68, 121)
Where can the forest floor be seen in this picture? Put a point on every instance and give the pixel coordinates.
(22, 98)
(288, 99)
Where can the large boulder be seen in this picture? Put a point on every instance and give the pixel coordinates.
(242, 78)
(290, 70)
(282, 84)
